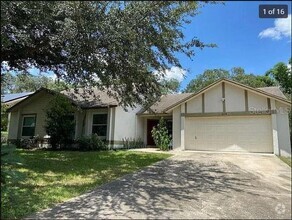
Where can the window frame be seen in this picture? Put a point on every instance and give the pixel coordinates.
(92, 124)
(22, 125)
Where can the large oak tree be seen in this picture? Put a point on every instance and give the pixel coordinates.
(112, 45)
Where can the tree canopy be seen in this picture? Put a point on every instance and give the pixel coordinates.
(11, 83)
(236, 74)
(282, 73)
(113, 45)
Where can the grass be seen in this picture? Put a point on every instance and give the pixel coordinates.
(287, 160)
(55, 176)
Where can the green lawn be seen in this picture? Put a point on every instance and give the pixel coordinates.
(52, 177)
(287, 160)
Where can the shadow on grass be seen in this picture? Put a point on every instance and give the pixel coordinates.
(55, 176)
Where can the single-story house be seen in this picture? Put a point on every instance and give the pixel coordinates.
(224, 116)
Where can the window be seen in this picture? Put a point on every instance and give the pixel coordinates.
(28, 126)
(99, 125)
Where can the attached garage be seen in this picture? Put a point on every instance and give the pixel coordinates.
(229, 133)
(228, 116)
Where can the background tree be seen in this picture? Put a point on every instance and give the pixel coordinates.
(170, 86)
(114, 45)
(60, 124)
(237, 74)
(29, 83)
(205, 79)
(282, 73)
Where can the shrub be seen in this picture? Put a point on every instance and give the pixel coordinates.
(129, 143)
(92, 142)
(4, 117)
(33, 142)
(3, 140)
(160, 135)
(59, 123)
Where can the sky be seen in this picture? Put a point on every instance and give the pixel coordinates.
(243, 40)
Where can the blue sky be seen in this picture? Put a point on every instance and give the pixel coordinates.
(235, 28)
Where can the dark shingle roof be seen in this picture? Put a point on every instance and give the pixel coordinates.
(165, 102)
(90, 98)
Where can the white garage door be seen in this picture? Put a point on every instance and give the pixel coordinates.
(230, 133)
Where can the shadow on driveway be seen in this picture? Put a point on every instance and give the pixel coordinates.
(178, 189)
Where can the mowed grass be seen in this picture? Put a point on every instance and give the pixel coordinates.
(55, 176)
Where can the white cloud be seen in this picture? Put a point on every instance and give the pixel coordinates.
(174, 73)
(282, 28)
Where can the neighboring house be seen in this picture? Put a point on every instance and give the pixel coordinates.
(224, 116)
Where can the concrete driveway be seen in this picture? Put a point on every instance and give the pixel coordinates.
(190, 185)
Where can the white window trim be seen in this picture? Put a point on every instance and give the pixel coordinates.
(22, 125)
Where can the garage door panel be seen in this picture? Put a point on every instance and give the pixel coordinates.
(245, 134)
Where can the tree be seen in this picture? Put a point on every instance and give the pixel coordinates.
(114, 45)
(28, 83)
(170, 86)
(236, 74)
(205, 79)
(282, 73)
(60, 124)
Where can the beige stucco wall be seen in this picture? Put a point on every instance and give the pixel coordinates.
(257, 102)
(213, 102)
(13, 125)
(37, 106)
(176, 123)
(283, 129)
(195, 105)
(234, 98)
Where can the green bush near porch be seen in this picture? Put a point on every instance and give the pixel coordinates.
(160, 135)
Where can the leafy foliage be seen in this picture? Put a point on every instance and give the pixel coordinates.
(114, 45)
(282, 73)
(92, 142)
(160, 135)
(237, 74)
(29, 83)
(59, 125)
(170, 86)
(4, 117)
